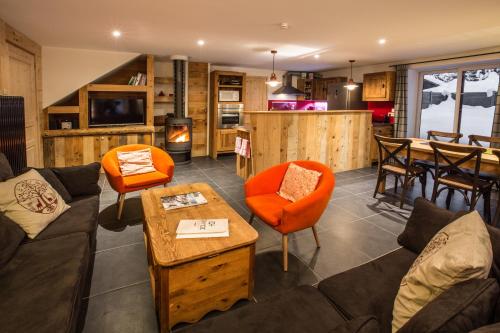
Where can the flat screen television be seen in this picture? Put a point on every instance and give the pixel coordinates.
(116, 111)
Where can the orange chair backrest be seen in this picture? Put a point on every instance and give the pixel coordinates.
(326, 181)
(111, 157)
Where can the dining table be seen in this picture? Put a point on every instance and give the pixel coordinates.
(422, 150)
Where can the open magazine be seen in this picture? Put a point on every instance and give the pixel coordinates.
(183, 200)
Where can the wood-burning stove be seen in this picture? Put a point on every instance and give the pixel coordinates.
(178, 140)
(179, 129)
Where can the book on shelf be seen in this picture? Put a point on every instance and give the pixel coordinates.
(183, 200)
(203, 228)
(136, 80)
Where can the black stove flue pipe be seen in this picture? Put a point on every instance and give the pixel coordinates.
(179, 62)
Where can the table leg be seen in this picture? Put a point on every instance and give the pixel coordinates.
(163, 304)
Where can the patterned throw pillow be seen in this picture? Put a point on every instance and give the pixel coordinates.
(298, 182)
(459, 252)
(135, 162)
(31, 202)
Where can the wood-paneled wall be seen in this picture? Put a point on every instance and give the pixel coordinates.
(61, 151)
(198, 105)
(339, 139)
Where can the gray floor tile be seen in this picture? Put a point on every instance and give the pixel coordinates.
(358, 206)
(118, 268)
(119, 236)
(128, 310)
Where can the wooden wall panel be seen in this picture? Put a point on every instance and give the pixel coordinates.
(74, 150)
(256, 93)
(340, 140)
(198, 105)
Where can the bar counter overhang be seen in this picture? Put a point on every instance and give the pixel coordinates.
(340, 139)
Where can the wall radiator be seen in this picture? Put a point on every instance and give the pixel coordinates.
(12, 131)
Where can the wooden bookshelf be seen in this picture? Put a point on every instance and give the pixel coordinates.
(63, 109)
(116, 88)
(164, 80)
(164, 99)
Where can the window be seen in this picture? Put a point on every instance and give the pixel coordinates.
(469, 112)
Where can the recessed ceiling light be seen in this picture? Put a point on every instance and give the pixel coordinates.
(316, 56)
(200, 42)
(116, 33)
(382, 41)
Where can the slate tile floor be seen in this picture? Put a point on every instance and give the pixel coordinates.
(354, 229)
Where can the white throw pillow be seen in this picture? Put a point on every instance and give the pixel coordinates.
(135, 162)
(459, 252)
(31, 202)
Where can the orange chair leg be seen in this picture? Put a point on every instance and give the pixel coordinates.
(285, 253)
(121, 202)
(315, 233)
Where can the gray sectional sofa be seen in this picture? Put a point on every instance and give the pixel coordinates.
(361, 299)
(44, 281)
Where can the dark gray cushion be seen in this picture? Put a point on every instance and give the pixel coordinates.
(52, 179)
(5, 169)
(464, 307)
(41, 285)
(425, 221)
(370, 289)
(81, 217)
(11, 235)
(366, 324)
(80, 180)
(300, 310)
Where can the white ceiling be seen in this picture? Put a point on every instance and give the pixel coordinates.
(239, 32)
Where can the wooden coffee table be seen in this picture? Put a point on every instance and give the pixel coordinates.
(191, 277)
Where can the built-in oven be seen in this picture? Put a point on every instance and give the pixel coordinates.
(229, 115)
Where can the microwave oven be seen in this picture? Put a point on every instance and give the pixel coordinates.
(229, 96)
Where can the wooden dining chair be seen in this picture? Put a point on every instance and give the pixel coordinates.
(390, 163)
(450, 137)
(453, 175)
(475, 140)
(496, 220)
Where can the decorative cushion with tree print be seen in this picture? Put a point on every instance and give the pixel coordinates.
(31, 202)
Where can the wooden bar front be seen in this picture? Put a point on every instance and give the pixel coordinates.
(339, 139)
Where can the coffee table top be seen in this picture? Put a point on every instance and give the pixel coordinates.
(161, 226)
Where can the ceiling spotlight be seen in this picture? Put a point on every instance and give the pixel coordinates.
(382, 41)
(116, 33)
(316, 56)
(284, 26)
(200, 42)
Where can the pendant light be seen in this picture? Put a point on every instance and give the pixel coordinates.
(350, 84)
(273, 79)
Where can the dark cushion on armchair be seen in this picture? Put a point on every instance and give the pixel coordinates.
(80, 180)
(369, 289)
(52, 179)
(462, 308)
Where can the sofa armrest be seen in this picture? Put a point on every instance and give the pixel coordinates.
(80, 180)
(266, 182)
(365, 324)
(462, 308)
(494, 328)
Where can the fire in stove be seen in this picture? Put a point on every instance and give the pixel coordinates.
(178, 134)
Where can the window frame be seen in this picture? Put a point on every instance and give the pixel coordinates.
(458, 101)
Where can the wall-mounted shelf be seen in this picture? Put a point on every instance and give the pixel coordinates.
(116, 87)
(163, 80)
(230, 86)
(164, 99)
(63, 109)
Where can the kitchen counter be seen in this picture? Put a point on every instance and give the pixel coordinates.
(340, 139)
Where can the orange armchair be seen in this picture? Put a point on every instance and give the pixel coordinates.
(162, 162)
(283, 215)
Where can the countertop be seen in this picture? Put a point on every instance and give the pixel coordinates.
(308, 112)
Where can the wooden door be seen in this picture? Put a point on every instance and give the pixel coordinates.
(256, 93)
(22, 83)
(226, 140)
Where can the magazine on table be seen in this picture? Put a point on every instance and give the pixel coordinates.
(203, 228)
(183, 200)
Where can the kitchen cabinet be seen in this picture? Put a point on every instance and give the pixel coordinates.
(256, 93)
(383, 130)
(226, 139)
(320, 87)
(379, 87)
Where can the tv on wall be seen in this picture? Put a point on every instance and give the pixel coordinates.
(116, 111)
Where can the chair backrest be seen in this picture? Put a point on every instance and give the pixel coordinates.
(445, 164)
(326, 181)
(477, 139)
(112, 158)
(438, 136)
(389, 150)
